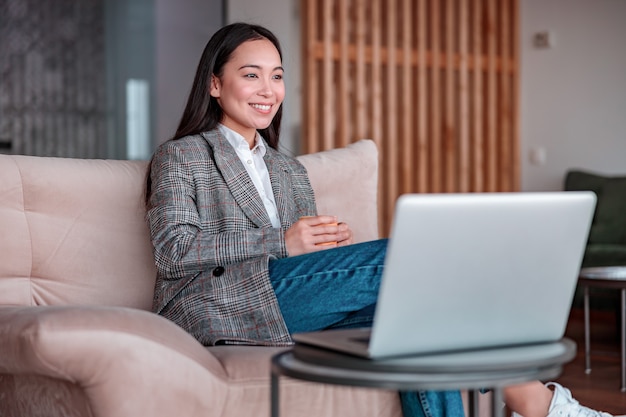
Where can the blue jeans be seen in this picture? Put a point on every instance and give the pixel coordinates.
(338, 288)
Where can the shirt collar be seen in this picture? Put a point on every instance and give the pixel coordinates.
(239, 143)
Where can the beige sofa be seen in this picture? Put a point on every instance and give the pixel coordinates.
(77, 337)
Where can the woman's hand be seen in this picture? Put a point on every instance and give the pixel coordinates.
(313, 233)
(347, 233)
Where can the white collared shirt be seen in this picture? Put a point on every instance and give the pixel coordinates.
(252, 159)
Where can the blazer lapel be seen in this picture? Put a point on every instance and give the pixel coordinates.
(279, 177)
(237, 179)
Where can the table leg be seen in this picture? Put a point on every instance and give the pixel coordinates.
(274, 400)
(497, 402)
(472, 397)
(587, 337)
(623, 324)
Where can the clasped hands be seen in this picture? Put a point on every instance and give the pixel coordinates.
(313, 233)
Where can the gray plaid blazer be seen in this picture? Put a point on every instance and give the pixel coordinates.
(212, 239)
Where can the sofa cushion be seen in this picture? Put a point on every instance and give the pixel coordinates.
(248, 367)
(609, 222)
(352, 173)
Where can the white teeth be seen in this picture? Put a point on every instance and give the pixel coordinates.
(261, 107)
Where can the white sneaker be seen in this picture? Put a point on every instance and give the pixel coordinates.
(563, 405)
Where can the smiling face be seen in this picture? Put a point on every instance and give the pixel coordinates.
(251, 88)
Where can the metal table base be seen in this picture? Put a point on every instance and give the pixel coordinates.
(475, 370)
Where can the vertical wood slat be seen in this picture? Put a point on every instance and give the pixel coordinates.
(327, 76)
(391, 135)
(435, 99)
(361, 86)
(310, 113)
(343, 83)
(377, 95)
(422, 120)
(505, 109)
(406, 114)
(477, 99)
(464, 173)
(429, 81)
(490, 152)
(376, 124)
(449, 145)
(515, 134)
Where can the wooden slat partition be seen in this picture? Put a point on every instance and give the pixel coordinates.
(433, 82)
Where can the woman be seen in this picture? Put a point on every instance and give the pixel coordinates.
(241, 253)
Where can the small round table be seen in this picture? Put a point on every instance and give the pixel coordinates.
(605, 277)
(471, 370)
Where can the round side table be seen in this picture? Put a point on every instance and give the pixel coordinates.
(605, 277)
(471, 370)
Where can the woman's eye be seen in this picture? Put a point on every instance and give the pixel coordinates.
(250, 75)
(278, 77)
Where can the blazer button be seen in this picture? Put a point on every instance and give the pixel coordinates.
(218, 271)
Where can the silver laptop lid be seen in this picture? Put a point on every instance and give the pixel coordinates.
(479, 270)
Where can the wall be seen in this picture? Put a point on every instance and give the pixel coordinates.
(573, 95)
(182, 30)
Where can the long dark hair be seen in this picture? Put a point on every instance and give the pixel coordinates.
(202, 112)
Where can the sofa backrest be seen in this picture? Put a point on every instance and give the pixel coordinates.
(72, 231)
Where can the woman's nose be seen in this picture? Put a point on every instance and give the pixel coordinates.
(266, 89)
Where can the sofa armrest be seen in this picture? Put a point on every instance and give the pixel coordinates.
(114, 354)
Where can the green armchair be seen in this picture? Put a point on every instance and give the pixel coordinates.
(606, 245)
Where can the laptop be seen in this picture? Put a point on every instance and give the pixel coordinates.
(472, 271)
